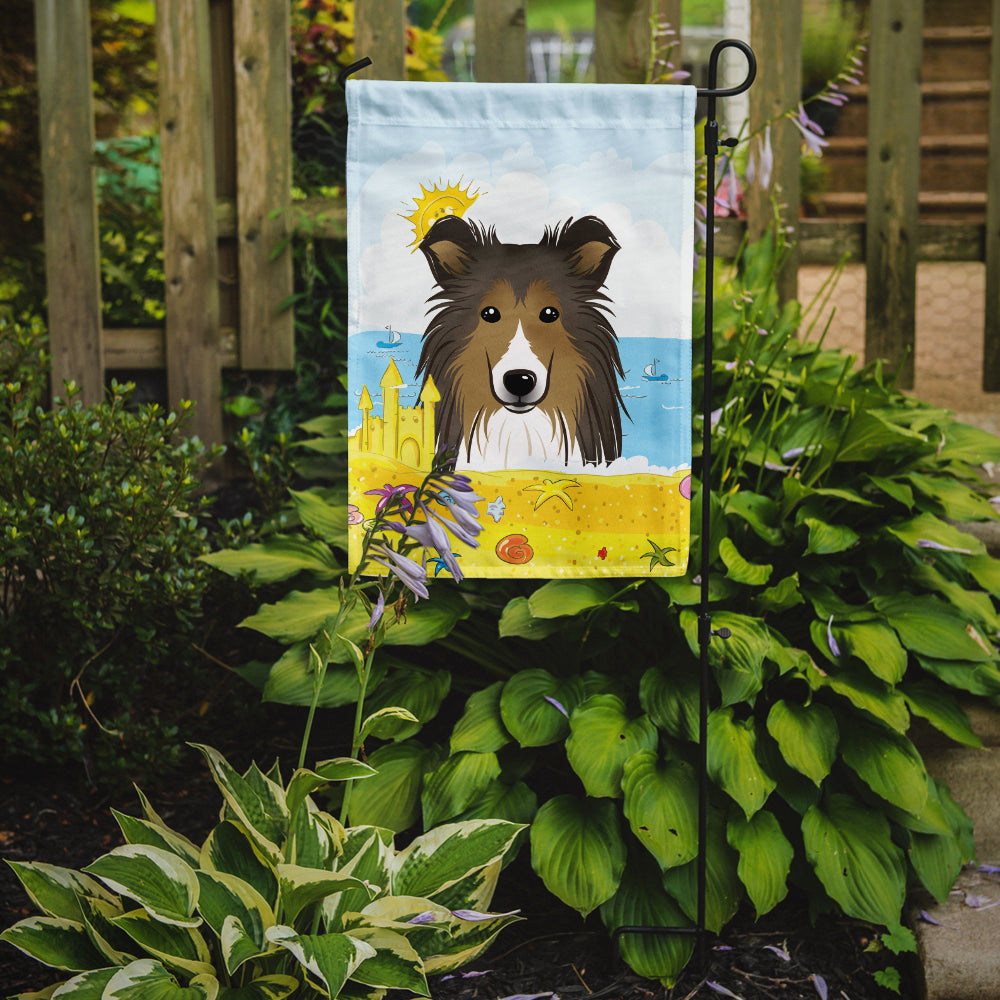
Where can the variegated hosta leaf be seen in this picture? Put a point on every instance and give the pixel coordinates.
(304, 782)
(765, 858)
(642, 902)
(56, 891)
(158, 880)
(602, 737)
(225, 897)
(141, 831)
(441, 857)
(86, 986)
(315, 839)
(300, 887)
(54, 941)
(481, 727)
(475, 891)
(147, 979)
(329, 959)
(732, 760)
(230, 849)
(367, 853)
(177, 947)
(850, 847)
(456, 784)
(395, 964)
(468, 939)
(274, 987)
(116, 946)
(578, 851)
(807, 736)
(661, 805)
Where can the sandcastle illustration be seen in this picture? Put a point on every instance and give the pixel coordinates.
(403, 434)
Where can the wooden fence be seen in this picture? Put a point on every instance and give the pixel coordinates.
(226, 161)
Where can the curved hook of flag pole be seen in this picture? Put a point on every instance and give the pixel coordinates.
(353, 68)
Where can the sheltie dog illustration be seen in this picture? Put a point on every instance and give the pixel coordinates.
(520, 347)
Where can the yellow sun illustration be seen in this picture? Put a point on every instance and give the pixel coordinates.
(433, 204)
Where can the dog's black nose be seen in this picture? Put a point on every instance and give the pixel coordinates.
(519, 382)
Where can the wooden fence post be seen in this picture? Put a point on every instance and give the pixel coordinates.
(893, 183)
(501, 41)
(262, 61)
(776, 35)
(72, 255)
(190, 252)
(380, 34)
(991, 333)
(622, 40)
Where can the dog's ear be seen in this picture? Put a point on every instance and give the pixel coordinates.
(590, 247)
(450, 248)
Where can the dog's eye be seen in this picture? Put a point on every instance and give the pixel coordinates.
(549, 314)
(491, 314)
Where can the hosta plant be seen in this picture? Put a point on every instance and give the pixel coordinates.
(279, 900)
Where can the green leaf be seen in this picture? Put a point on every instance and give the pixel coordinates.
(56, 891)
(278, 558)
(956, 500)
(828, 539)
(330, 959)
(807, 736)
(391, 798)
(927, 527)
(559, 598)
(275, 987)
(86, 986)
(387, 722)
(738, 662)
(418, 690)
(671, 699)
(301, 887)
(225, 897)
(527, 711)
(147, 979)
(601, 739)
(937, 860)
(765, 858)
(941, 709)
(516, 803)
(732, 760)
(869, 436)
(760, 512)
(850, 848)
(738, 569)
(230, 849)
(965, 443)
(578, 851)
(640, 901)
(141, 831)
(456, 784)
(481, 727)
(888, 763)
(976, 678)
(783, 595)
(931, 628)
(395, 964)
(661, 799)
(876, 646)
(292, 680)
(181, 948)
(986, 571)
(163, 884)
(304, 782)
(516, 620)
(328, 521)
(54, 941)
(866, 692)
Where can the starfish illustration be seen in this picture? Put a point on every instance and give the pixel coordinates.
(658, 557)
(549, 489)
(495, 509)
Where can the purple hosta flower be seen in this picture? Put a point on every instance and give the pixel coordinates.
(410, 573)
(728, 195)
(927, 918)
(557, 704)
(377, 611)
(390, 493)
(427, 917)
(990, 869)
(431, 535)
(927, 543)
(719, 988)
(761, 163)
(780, 952)
(811, 132)
(465, 527)
(820, 983)
(475, 915)
(465, 975)
(834, 648)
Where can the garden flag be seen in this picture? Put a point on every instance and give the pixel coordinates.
(520, 280)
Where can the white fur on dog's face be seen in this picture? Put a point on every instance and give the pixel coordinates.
(520, 379)
(505, 437)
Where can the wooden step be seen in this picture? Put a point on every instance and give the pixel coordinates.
(957, 206)
(956, 53)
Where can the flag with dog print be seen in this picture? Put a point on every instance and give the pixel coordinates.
(520, 281)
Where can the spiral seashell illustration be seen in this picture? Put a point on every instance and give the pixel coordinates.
(515, 549)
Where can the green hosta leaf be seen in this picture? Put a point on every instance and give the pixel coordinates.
(304, 782)
(141, 831)
(292, 679)
(828, 539)
(850, 847)
(391, 798)
(965, 443)
(738, 661)
(438, 859)
(865, 692)
(280, 557)
(869, 436)
(738, 569)
(641, 901)
(670, 698)
(327, 520)
(225, 897)
(986, 572)
(807, 736)
(976, 678)
(888, 763)
(602, 738)
(180, 948)
(894, 489)
(765, 858)
(530, 706)
(456, 784)
(159, 881)
(516, 803)
(941, 709)
(301, 887)
(387, 723)
(559, 598)
(957, 501)
(330, 959)
(732, 760)
(516, 620)
(876, 646)
(928, 528)
(578, 851)
(395, 964)
(230, 849)
(275, 987)
(417, 690)
(481, 728)
(937, 860)
(661, 799)
(931, 628)
(723, 889)
(758, 511)
(54, 941)
(56, 891)
(975, 605)
(147, 979)
(783, 595)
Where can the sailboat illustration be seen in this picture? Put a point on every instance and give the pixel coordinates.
(649, 373)
(393, 341)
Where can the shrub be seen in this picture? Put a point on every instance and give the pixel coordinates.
(99, 539)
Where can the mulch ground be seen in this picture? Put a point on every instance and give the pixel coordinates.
(550, 953)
